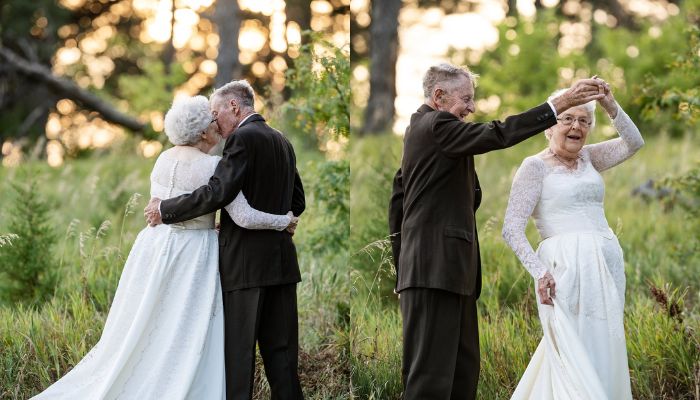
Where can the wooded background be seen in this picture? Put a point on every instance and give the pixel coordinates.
(529, 49)
(76, 75)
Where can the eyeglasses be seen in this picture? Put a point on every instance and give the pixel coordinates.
(569, 120)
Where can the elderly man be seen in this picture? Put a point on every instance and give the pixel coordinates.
(258, 268)
(434, 238)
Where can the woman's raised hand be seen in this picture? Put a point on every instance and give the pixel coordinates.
(608, 102)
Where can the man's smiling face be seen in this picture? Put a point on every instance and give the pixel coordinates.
(457, 97)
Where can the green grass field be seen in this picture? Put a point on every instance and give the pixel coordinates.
(659, 242)
(96, 210)
(351, 327)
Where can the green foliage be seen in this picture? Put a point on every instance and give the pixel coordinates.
(523, 79)
(17, 18)
(320, 85)
(675, 90)
(27, 271)
(323, 253)
(151, 89)
(330, 190)
(688, 185)
(374, 161)
(654, 71)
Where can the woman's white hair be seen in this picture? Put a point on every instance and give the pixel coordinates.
(187, 119)
(589, 107)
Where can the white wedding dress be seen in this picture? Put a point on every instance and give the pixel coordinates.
(163, 338)
(582, 355)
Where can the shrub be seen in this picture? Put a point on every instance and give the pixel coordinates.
(26, 264)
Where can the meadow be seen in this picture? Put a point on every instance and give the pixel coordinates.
(92, 208)
(660, 242)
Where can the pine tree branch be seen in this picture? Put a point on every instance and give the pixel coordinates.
(69, 89)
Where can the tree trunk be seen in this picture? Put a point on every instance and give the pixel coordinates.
(169, 52)
(614, 7)
(512, 8)
(227, 17)
(299, 11)
(384, 46)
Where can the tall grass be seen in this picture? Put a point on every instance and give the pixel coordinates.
(659, 244)
(96, 205)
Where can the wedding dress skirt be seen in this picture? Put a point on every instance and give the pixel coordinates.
(582, 355)
(164, 335)
(163, 338)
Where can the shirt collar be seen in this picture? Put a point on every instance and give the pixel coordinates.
(245, 119)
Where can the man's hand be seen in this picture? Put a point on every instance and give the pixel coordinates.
(581, 92)
(292, 224)
(545, 288)
(152, 213)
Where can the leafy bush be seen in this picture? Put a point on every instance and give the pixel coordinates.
(330, 190)
(320, 83)
(27, 266)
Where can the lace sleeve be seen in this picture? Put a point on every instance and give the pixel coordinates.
(247, 217)
(524, 196)
(610, 153)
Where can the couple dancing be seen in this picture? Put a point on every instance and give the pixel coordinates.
(578, 266)
(190, 306)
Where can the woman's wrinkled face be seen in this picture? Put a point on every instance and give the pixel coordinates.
(212, 135)
(571, 130)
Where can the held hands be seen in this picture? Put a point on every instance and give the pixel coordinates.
(151, 212)
(581, 92)
(608, 102)
(545, 288)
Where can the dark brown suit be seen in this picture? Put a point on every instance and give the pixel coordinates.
(436, 248)
(258, 268)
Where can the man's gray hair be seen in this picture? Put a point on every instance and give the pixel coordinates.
(589, 107)
(186, 120)
(444, 72)
(239, 90)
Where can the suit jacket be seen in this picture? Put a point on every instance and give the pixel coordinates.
(260, 161)
(436, 194)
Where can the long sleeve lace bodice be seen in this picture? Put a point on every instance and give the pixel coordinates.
(524, 196)
(181, 170)
(562, 201)
(607, 154)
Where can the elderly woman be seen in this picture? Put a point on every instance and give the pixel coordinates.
(582, 354)
(164, 336)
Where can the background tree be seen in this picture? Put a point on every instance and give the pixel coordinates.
(299, 11)
(228, 21)
(384, 50)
